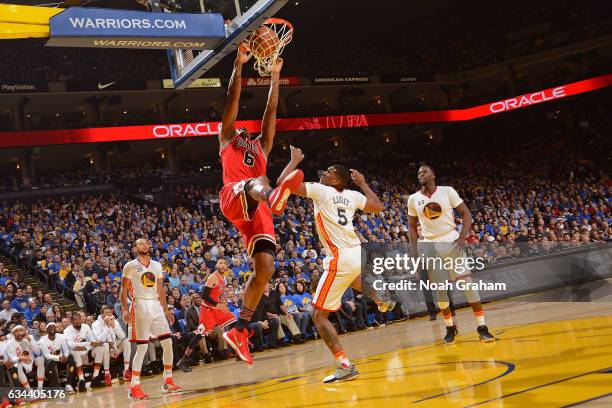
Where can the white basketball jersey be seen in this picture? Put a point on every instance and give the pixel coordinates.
(334, 211)
(143, 278)
(55, 347)
(435, 212)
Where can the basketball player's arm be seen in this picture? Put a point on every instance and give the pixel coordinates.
(123, 297)
(230, 113)
(268, 125)
(211, 282)
(296, 157)
(373, 203)
(413, 234)
(161, 294)
(466, 217)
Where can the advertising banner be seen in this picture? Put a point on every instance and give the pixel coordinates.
(23, 86)
(109, 28)
(347, 80)
(265, 81)
(198, 83)
(88, 86)
(181, 130)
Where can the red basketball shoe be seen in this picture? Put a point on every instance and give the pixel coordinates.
(279, 196)
(136, 392)
(170, 386)
(239, 340)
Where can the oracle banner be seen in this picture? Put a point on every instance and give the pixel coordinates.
(204, 129)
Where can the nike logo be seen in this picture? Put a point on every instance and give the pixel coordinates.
(238, 343)
(104, 86)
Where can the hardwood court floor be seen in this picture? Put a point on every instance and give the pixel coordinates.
(547, 355)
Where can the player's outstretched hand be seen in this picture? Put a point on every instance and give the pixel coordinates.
(243, 54)
(277, 66)
(357, 177)
(296, 154)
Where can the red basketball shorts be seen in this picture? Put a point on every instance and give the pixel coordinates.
(254, 225)
(212, 317)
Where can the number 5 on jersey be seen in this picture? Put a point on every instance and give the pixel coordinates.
(342, 217)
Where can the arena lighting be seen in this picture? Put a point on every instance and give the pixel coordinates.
(185, 130)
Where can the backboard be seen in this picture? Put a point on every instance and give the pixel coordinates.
(244, 17)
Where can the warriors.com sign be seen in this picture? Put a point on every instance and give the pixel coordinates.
(108, 28)
(182, 130)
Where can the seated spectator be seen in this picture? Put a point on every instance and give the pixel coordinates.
(6, 276)
(275, 309)
(290, 305)
(352, 311)
(303, 299)
(19, 302)
(7, 311)
(32, 311)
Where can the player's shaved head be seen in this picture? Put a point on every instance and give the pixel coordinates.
(142, 246)
(429, 167)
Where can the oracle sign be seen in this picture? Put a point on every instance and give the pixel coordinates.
(186, 130)
(529, 99)
(180, 130)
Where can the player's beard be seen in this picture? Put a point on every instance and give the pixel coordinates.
(143, 253)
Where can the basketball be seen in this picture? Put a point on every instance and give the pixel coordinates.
(263, 42)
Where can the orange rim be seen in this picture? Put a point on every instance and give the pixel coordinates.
(273, 20)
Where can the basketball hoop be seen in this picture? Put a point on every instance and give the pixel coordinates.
(267, 42)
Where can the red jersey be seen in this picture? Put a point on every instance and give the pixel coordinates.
(215, 293)
(242, 158)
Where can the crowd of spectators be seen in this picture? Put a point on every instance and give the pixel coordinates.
(80, 244)
(443, 37)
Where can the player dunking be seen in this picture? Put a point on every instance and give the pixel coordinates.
(246, 199)
(433, 207)
(148, 315)
(334, 207)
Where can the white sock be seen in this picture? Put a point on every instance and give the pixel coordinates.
(448, 320)
(342, 359)
(135, 379)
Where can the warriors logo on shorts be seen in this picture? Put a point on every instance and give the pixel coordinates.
(432, 210)
(148, 279)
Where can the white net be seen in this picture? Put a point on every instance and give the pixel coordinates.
(268, 42)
